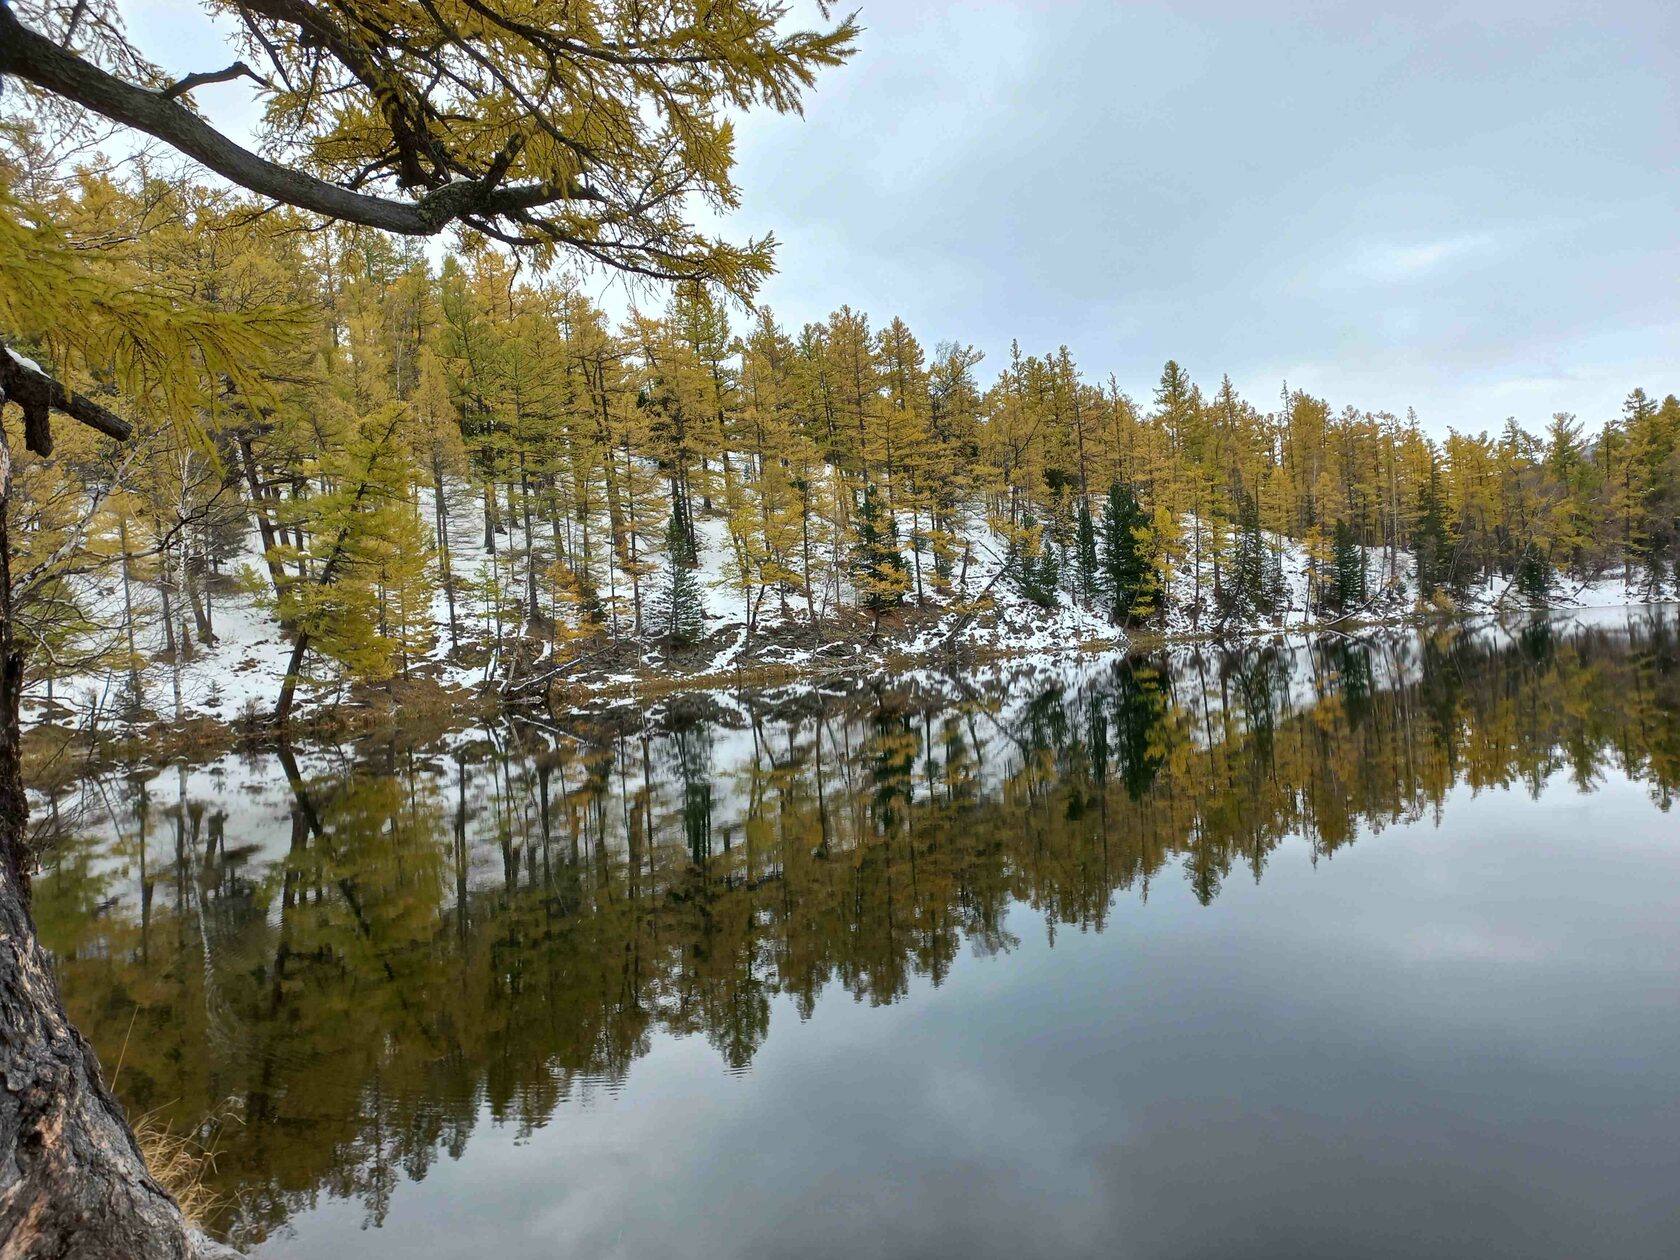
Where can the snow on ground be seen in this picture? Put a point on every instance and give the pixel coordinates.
(1609, 591)
(243, 668)
(978, 611)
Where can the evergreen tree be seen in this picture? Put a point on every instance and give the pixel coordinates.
(878, 568)
(1347, 590)
(1534, 576)
(1125, 565)
(1652, 492)
(355, 527)
(1432, 541)
(1033, 564)
(1086, 566)
(1248, 588)
(677, 612)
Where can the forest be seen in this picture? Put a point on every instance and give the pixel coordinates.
(393, 460)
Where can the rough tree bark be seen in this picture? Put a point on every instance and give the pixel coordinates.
(73, 1184)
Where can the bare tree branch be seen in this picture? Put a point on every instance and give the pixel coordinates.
(37, 393)
(238, 70)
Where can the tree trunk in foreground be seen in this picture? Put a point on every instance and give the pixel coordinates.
(73, 1183)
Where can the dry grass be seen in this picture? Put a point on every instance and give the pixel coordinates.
(180, 1163)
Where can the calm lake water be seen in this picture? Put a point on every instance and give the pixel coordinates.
(1341, 948)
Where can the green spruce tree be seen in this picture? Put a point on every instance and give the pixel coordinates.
(1534, 576)
(1086, 566)
(1125, 566)
(1033, 564)
(1249, 590)
(1347, 588)
(878, 567)
(676, 611)
(1433, 540)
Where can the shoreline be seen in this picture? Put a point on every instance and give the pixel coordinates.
(55, 755)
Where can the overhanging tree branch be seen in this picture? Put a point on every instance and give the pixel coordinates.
(37, 393)
(36, 59)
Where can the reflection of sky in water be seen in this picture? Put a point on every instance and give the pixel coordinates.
(1446, 1041)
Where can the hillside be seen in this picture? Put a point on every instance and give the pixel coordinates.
(981, 614)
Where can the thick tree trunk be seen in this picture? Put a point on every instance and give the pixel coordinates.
(73, 1183)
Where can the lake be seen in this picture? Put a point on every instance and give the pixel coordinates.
(1356, 946)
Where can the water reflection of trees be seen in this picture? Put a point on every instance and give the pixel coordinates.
(499, 921)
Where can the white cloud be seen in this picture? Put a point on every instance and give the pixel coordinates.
(1392, 262)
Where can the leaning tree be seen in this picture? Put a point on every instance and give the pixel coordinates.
(588, 133)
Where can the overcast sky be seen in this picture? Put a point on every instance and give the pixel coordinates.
(1468, 208)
